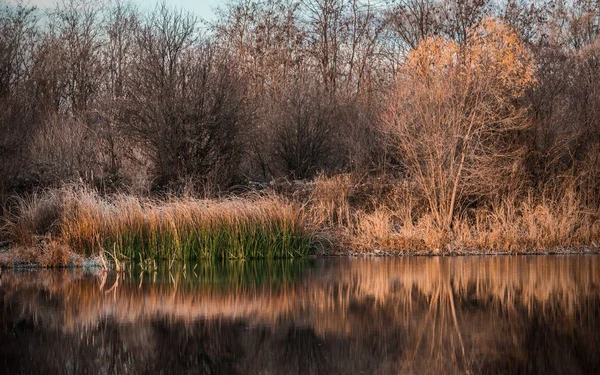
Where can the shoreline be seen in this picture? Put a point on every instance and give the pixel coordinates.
(94, 263)
(333, 216)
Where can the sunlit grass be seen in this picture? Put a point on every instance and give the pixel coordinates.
(183, 229)
(336, 213)
(365, 218)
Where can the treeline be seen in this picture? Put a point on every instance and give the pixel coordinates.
(472, 98)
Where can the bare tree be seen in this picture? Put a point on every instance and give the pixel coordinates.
(76, 24)
(326, 31)
(304, 136)
(18, 42)
(414, 20)
(461, 16)
(118, 59)
(455, 117)
(185, 105)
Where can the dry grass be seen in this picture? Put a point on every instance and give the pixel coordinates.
(549, 223)
(353, 217)
(45, 254)
(328, 204)
(399, 222)
(140, 229)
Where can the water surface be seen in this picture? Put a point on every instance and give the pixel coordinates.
(527, 314)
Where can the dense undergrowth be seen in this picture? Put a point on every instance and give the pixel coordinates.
(337, 215)
(78, 220)
(396, 219)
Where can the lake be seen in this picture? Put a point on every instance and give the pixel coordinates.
(413, 315)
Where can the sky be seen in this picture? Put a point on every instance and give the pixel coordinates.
(202, 8)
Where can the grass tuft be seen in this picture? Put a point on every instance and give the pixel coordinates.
(183, 229)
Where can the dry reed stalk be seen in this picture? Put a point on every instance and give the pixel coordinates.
(268, 226)
(557, 221)
(178, 228)
(329, 205)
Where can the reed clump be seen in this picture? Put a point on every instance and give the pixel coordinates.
(173, 229)
(364, 218)
(343, 213)
(549, 223)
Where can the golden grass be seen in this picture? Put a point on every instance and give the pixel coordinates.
(45, 254)
(329, 204)
(397, 221)
(546, 224)
(176, 228)
(349, 216)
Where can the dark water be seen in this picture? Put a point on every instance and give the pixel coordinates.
(537, 314)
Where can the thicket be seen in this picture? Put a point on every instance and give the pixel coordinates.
(463, 106)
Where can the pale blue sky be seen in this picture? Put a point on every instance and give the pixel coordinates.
(202, 8)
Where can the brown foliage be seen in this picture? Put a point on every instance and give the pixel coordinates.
(455, 118)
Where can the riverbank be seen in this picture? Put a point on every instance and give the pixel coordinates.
(328, 216)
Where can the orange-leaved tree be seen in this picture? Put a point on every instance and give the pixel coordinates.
(456, 118)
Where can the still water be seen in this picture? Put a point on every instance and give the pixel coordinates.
(538, 314)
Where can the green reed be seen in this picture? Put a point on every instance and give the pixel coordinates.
(180, 228)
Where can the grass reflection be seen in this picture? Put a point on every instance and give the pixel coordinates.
(405, 315)
(220, 275)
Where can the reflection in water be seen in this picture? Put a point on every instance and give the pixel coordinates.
(409, 315)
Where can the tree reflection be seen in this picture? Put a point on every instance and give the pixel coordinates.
(407, 315)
